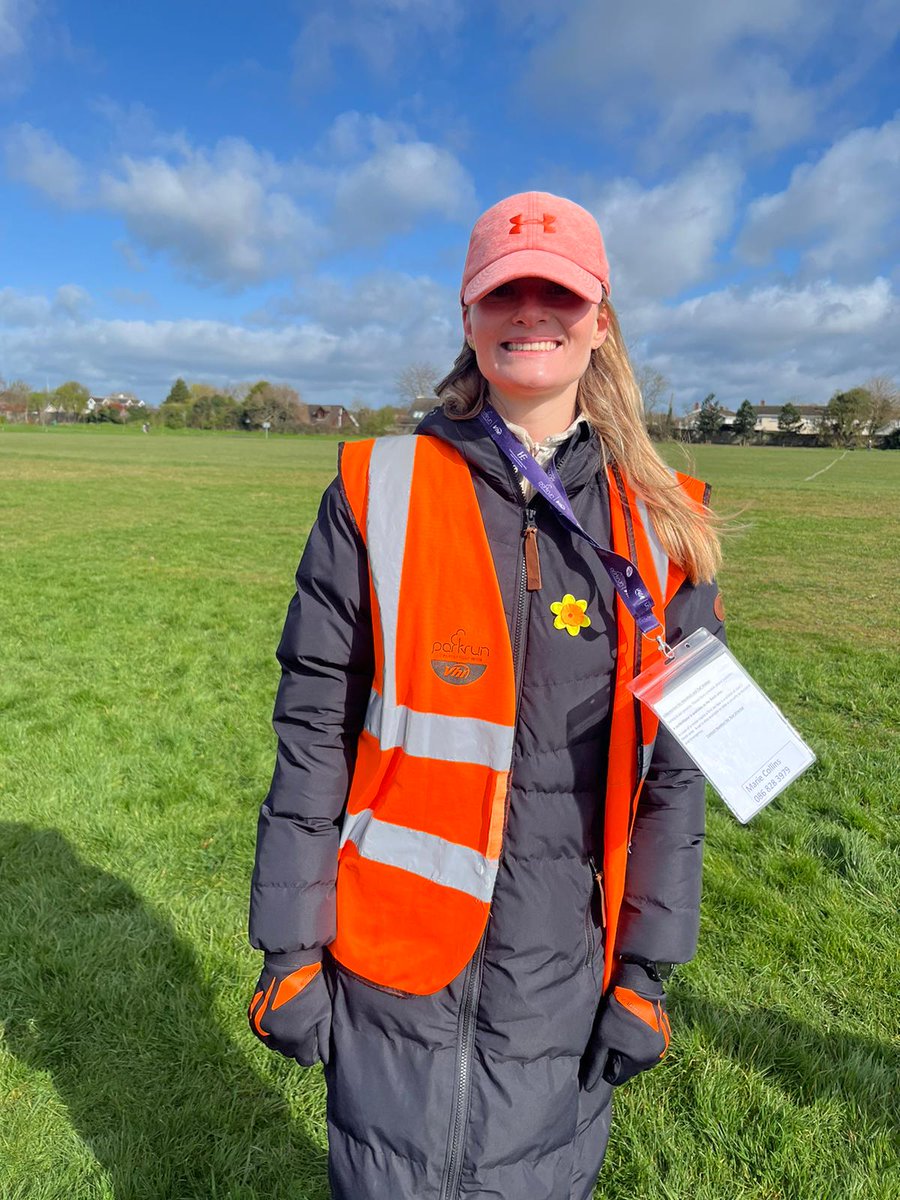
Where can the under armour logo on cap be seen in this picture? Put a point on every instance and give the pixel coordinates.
(548, 220)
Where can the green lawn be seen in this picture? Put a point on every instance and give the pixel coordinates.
(143, 588)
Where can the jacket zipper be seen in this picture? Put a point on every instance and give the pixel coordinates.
(589, 928)
(598, 879)
(596, 883)
(459, 1119)
(472, 983)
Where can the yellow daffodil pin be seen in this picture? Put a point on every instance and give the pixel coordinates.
(570, 614)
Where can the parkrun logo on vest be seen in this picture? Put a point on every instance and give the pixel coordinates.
(460, 663)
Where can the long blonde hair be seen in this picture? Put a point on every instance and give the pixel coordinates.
(611, 400)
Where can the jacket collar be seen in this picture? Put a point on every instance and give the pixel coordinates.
(578, 459)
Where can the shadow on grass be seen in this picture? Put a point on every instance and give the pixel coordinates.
(100, 993)
(806, 1063)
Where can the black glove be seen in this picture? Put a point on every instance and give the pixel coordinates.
(291, 1009)
(631, 1031)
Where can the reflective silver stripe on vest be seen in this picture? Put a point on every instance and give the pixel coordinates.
(423, 854)
(657, 553)
(390, 486)
(433, 735)
(422, 735)
(646, 756)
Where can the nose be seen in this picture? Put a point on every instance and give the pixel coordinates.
(530, 308)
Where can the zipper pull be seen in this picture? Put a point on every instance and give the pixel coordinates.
(598, 876)
(532, 554)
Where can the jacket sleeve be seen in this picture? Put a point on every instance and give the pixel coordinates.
(326, 658)
(660, 914)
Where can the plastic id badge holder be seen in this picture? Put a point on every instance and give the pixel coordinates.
(728, 725)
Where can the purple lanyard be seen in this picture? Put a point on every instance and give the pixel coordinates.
(626, 578)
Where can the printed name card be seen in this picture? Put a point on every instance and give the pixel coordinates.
(725, 722)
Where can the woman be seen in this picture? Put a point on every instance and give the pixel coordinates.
(470, 813)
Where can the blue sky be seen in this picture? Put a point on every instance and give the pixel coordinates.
(285, 190)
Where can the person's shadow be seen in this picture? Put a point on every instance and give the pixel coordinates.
(99, 992)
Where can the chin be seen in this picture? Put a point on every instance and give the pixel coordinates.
(531, 389)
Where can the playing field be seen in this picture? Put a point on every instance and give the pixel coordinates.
(143, 585)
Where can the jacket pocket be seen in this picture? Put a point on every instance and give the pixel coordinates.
(594, 916)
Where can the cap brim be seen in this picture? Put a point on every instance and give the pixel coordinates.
(522, 264)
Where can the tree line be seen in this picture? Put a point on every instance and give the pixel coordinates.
(849, 418)
(243, 406)
(20, 402)
(262, 405)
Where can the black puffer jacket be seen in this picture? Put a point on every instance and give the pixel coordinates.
(475, 1091)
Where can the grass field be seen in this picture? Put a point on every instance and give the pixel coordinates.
(144, 582)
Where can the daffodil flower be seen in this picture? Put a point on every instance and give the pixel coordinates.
(570, 614)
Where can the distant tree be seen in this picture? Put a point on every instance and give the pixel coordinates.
(884, 404)
(417, 381)
(38, 402)
(790, 420)
(15, 398)
(709, 418)
(73, 397)
(238, 391)
(277, 404)
(653, 386)
(113, 412)
(670, 422)
(655, 390)
(744, 422)
(374, 422)
(174, 416)
(845, 416)
(179, 393)
(661, 426)
(214, 412)
(198, 390)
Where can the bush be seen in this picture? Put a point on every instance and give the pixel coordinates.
(173, 415)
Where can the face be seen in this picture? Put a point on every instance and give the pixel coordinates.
(533, 339)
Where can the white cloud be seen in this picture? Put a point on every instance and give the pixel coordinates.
(680, 66)
(662, 239)
(220, 214)
(15, 19)
(236, 216)
(336, 342)
(378, 31)
(379, 297)
(19, 310)
(840, 212)
(72, 301)
(395, 187)
(380, 179)
(770, 342)
(33, 156)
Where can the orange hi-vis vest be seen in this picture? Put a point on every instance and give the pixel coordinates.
(423, 829)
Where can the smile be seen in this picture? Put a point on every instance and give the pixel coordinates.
(530, 346)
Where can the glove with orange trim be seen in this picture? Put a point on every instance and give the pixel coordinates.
(291, 1009)
(631, 1032)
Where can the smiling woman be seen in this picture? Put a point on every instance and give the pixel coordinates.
(533, 339)
(476, 849)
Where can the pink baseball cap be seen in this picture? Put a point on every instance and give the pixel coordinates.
(536, 233)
